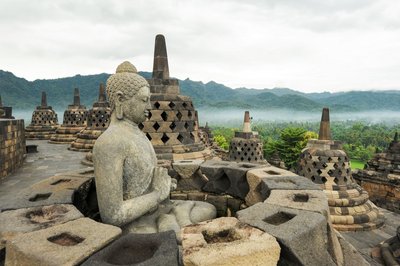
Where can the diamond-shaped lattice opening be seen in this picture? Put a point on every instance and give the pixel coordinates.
(336, 181)
(179, 115)
(190, 114)
(319, 171)
(148, 136)
(157, 105)
(313, 178)
(191, 136)
(186, 125)
(339, 159)
(185, 105)
(156, 126)
(141, 126)
(180, 138)
(330, 159)
(149, 115)
(314, 164)
(172, 126)
(335, 165)
(171, 105)
(164, 138)
(330, 172)
(324, 165)
(164, 116)
(323, 179)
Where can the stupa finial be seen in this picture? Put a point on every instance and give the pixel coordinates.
(102, 93)
(44, 99)
(324, 127)
(77, 97)
(246, 122)
(160, 64)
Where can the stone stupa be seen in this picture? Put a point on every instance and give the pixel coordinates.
(246, 146)
(381, 177)
(172, 126)
(74, 121)
(324, 162)
(97, 122)
(44, 121)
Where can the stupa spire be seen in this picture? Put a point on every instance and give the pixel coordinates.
(77, 97)
(246, 122)
(324, 127)
(44, 99)
(102, 93)
(160, 64)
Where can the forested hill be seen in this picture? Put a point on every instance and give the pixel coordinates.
(23, 94)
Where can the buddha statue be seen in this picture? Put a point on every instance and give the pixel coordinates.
(132, 191)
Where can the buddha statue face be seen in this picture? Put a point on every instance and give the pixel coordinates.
(135, 108)
(129, 94)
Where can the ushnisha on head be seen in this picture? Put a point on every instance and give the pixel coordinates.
(128, 93)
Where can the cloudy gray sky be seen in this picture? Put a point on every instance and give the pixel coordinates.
(308, 45)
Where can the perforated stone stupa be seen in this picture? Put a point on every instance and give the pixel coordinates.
(44, 121)
(172, 126)
(97, 122)
(246, 146)
(74, 121)
(381, 177)
(325, 163)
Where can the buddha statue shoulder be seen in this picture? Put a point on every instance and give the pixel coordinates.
(132, 191)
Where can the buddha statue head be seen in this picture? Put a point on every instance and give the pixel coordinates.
(129, 94)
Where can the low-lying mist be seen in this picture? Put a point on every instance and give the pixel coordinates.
(234, 117)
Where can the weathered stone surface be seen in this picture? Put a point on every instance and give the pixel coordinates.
(294, 230)
(286, 183)
(350, 255)
(139, 249)
(66, 244)
(226, 241)
(309, 200)
(189, 176)
(16, 222)
(53, 190)
(227, 177)
(132, 191)
(254, 178)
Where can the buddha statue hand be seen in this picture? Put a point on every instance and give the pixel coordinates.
(161, 183)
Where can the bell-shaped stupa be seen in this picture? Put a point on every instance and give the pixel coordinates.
(172, 126)
(97, 122)
(324, 162)
(44, 121)
(246, 146)
(74, 121)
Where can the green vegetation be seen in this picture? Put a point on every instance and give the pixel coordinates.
(360, 140)
(355, 164)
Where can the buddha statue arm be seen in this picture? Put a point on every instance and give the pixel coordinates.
(109, 184)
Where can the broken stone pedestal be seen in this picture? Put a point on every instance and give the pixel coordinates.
(297, 231)
(16, 222)
(139, 249)
(65, 244)
(226, 241)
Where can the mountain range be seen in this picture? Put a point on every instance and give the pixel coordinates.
(23, 94)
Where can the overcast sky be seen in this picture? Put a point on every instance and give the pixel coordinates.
(307, 45)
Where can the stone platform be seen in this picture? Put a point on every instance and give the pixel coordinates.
(56, 159)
